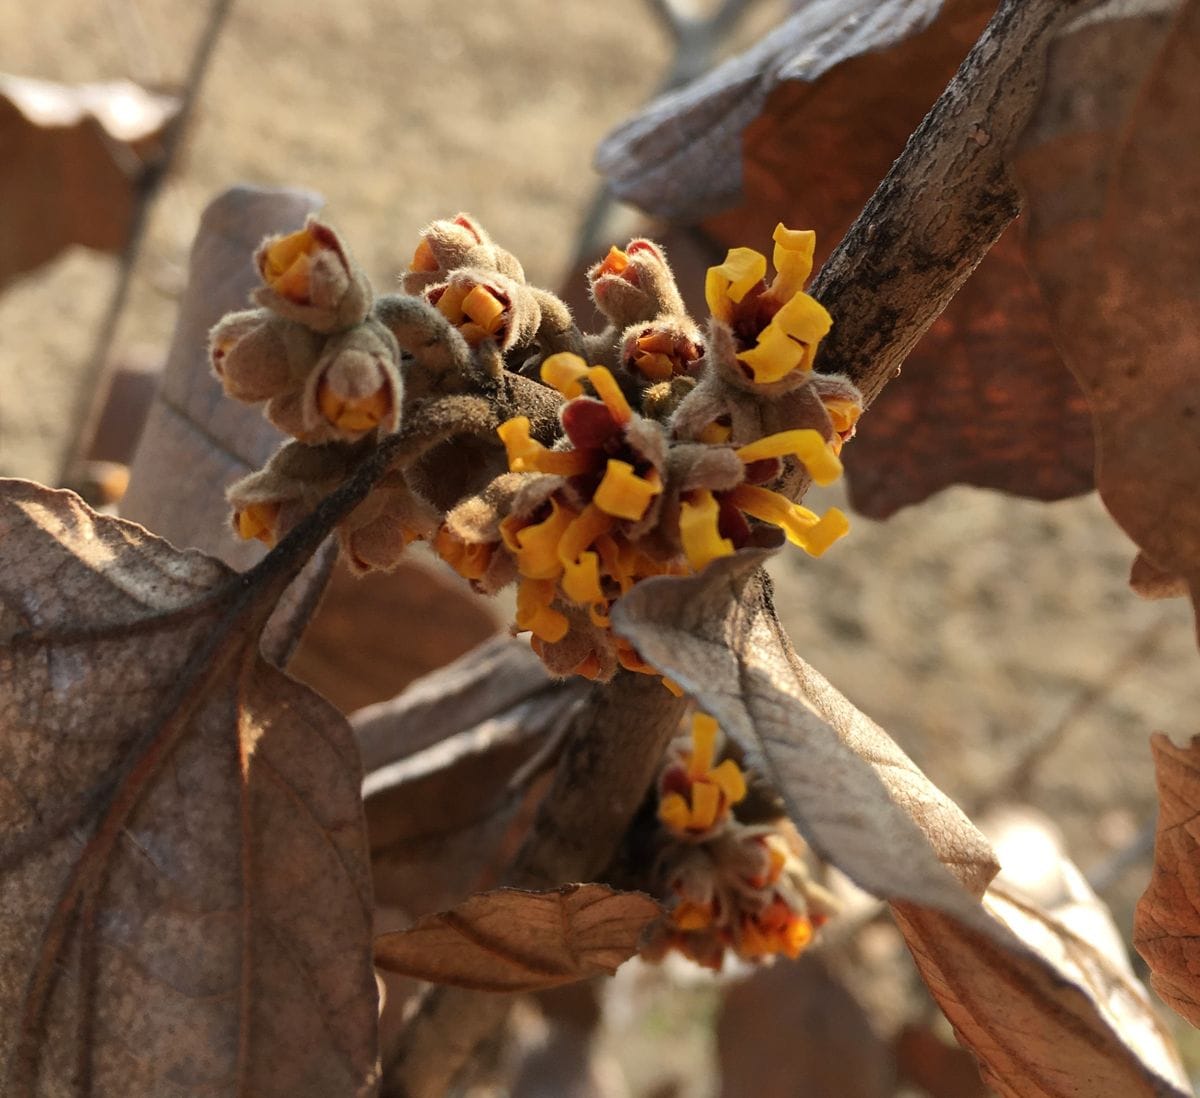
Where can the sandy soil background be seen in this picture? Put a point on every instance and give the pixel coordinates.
(970, 627)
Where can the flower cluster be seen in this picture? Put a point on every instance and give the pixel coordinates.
(730, 886)
(572, 464)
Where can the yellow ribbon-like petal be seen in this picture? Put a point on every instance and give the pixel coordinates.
(726, 284)
(699, 532)
(537, 544)
(813, 533)
(793, 260)
(534, 597)
(806, 444)
(704, 744)
(581, 580)
(566, 371)
(623, 494)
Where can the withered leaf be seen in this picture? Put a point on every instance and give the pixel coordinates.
(680, 157)
(1053, 1019)
(73, 155)
(185, 898)
(863, 805)
(453, 768)
(352, 651)
(1166, 928)
(1110, 169)
(512, 940)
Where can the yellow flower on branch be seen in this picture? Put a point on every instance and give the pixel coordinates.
(695, 795)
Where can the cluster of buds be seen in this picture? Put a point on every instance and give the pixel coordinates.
(651, 447)
(729, 886)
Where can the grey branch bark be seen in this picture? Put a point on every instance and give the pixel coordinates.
(943, 204)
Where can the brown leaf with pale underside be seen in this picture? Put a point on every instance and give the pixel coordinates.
(1166, 927)
(73, 157)
(863, 805)
(185, 897)
(513, 940)
(1110, 171)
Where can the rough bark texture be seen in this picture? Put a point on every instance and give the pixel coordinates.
(944, 203)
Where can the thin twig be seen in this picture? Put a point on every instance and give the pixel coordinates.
(91, 392)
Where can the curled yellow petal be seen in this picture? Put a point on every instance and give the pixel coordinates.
(623, 494)
(699, 531)
(537, 544)
(534, 613)
(805, 319)
(609, 391)
(725, 285)
(704, 743)
(730, 780)
(774, 356)
(258, 521)
(484, 308)
(843, 413)
(706, 804)
(673, 810)
(423, 258)
(527, 455)
(581, 580)
(286, 262)
(672, 686)
(469, 559)
(793, 260)
(354, 413)
(806, 444)
(589, 525)
(813, 533)
(614, 263)
(564, 372)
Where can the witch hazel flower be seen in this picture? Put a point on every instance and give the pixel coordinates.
(729, 886)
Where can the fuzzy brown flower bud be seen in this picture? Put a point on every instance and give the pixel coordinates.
(308, 276)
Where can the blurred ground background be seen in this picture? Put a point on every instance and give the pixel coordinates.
(994, 638)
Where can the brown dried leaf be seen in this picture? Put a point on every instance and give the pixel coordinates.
(1166, 928)
(1110, 169)
(1053, 1019)
(185, 898)
(73, 158)
(818, 1034)
(373, 635)
(1044, 1028)
(983, 399)
(453, 768)
(512, 940)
